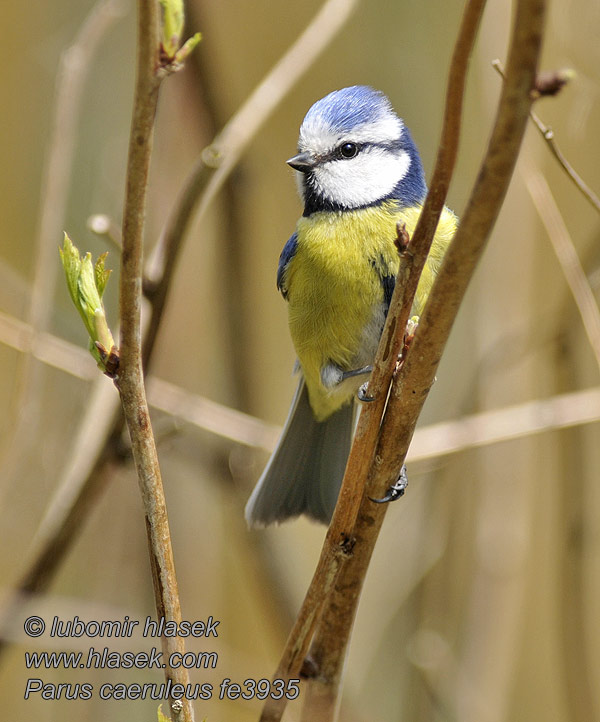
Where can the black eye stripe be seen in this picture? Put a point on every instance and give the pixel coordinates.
(338, 152)
(394, 146)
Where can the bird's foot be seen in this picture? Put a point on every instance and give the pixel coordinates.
(362, 394)
(396, 490)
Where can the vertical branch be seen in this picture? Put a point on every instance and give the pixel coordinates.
(130, 379)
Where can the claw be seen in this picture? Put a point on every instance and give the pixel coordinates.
(396, 490)
(362, 394)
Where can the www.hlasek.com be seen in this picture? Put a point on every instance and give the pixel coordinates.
(104, 658)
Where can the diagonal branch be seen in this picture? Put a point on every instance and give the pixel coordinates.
(334, 552)
(566, 254)
(416, 377)
(431, 442)
(417, 373)
(548, 135)
(216, 163)
(428, 443)
(332, 633)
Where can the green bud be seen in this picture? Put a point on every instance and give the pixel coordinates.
(173, 18)
(172, 25)
(86, 283)
(187, 48)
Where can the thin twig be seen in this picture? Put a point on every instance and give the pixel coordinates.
(74, 66)
(566, 253)
(415, 376)
(130, 380)
(548, 135)
(505, 424)
(194, 409)
(428, 443)
(227, 147)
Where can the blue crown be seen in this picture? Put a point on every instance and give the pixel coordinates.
(345, 109)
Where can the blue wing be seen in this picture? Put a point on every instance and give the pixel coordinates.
(388, 283)
(289, 250)
(387, 280)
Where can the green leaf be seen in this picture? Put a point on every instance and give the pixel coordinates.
(72, 264)
(102, 274)
(173, 18)
(187, 47)
(172, 25)
(86, 283)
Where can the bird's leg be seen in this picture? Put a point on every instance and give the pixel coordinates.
(356, 372)
(396, 490)
(361, 394)
(332, 376)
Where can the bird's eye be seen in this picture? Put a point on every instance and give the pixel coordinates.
(348, 150)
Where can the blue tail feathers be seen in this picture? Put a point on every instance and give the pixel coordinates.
(305, 472)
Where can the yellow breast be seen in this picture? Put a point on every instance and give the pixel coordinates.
(335, 292)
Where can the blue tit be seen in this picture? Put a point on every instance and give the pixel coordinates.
(359, 173)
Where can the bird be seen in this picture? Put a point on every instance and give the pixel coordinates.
(359, 175)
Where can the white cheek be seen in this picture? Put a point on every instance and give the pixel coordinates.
(362, 180)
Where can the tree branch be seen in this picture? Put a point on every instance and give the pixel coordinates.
(414, 378)
(566, 254)
(548, 135)
(335, 549)
(216, 162)
(332, 633)
(130, 380)
(417, 374)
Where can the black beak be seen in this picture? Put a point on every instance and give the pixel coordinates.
(302, 162)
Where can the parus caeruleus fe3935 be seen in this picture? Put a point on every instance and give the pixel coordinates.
(359, 173)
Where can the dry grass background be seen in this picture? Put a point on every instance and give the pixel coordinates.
(481, 600)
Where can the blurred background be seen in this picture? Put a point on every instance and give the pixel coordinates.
(481, 600)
